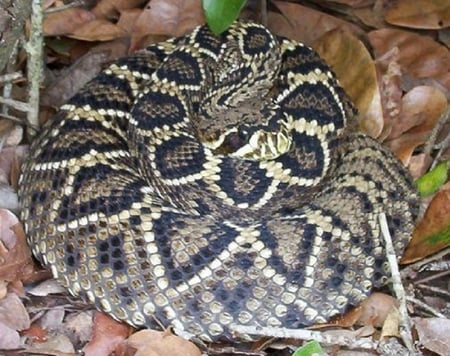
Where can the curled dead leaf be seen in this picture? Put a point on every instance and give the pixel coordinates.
(420, 56)
(168, 18)
(421, 108)
(161, 343)
(66, 22)
(376, 308)
(355, 69)
(98, 30)
(301, 23)
(15, 255)
(430, 232)
(424, 14)
(107, 335)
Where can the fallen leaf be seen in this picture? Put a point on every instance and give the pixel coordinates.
(423, 14)
(390, 79)
(10, 338)
(106, 336)
(13, 313)
(166, 17)
(433, 334)
(110, 9)
(421, 109)
(15, 261)
(391, 324)
(98, 30)
(304, 24)
(355, 69)
(432, 233)
(376, 309)
(419, 56)
(161, 343)
(66, 22)
(58, 344)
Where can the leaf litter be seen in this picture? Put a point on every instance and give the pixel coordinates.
(397, 76)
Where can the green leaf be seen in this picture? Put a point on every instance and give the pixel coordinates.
(220, 14)
(309, 349)
(430, 182)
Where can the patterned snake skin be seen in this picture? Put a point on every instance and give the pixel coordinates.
(213, 181)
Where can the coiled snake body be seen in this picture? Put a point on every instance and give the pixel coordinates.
(212, 181)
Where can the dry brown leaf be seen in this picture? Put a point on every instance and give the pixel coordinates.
(433, 334)
(391, 324)
(419, 56)
(13, 313)
(10, 338)
(421, 108)
(424, 14)
(128, 19)
(58, 345)
(168, 18)
(390, 79)
(354, 67)
(161, 343)
(66, 22)
(110, 9)
(304, 24)
(436, 219)
(419, 164)
(376, 308)
(98, 30)
(107, 335)
(371, 15)
(15, 256)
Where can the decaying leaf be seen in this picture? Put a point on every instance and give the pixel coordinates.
(15, 261)
(423, 14)
(419, 56)
(304, 24)
(161, 343)
(355, 69)
(433, 232)
(433, 334)
(107, 335)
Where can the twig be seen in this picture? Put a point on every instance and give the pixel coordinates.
(76, 3)
(432, 277)
(34, 50)
(302, 334)
(433, 137)
(436, 290)
(18, 105)
(6, 78)
(421, 264)
(425, 306)
(405, 326)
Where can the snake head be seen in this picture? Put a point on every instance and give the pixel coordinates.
(253, 143)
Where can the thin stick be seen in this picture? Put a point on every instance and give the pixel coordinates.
(34, 50)
(405, 326)
(302, 334)
(425, 306)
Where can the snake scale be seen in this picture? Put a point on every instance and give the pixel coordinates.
(213, 181)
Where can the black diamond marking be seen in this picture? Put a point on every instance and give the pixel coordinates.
(312, 102)
(306, 160)
(156, 109)
(256, 40)
(246, 174)
(179, 157)
(169, 225)
(182, 68)
(302, 60)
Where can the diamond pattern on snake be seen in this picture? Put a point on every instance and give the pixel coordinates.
(211, 181)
